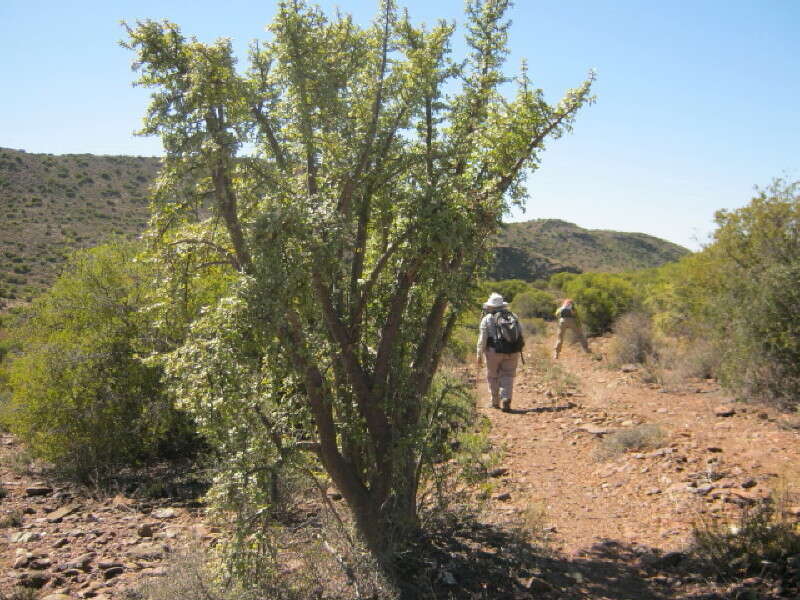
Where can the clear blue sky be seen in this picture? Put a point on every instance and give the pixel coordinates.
(697, 100)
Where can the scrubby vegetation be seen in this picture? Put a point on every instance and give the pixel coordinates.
(729, 311)
(82, 395)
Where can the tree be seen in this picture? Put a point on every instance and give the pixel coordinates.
(357, 224)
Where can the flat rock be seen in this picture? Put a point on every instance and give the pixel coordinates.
(594, 430)
(33, 579)
(724, 411)
(660, 452)
(147, 552)
(82, 562)
(113, 572)
(57, 515)
(164, 513)
(22, 561)
(40, 564)
(38, 489)
(25, 537)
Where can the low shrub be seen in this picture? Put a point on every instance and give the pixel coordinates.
(558, 382)
(11, 519)
(763, 542)
(641, 437)
(633, 340)
(461, 345)
(535, 304)
(533, 327)
(20, 592)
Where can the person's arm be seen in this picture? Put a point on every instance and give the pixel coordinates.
(483, 337)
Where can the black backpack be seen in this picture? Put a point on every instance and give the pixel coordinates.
(566, 312)
(507, 333)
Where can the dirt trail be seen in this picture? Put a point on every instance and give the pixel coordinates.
(557, 466)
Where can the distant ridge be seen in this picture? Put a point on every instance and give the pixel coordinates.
(539, 248)
(53, 204)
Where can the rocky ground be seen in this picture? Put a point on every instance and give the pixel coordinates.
(607, 510)
(617, 523)
(68, 544)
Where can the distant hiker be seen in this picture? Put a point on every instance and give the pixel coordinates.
(500, 341)
(567, 317)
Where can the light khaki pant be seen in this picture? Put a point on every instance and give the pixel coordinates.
(570, 323)
(500, 372)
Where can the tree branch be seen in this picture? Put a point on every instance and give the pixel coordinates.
(345, 197)
(390, 329)
(266, 126)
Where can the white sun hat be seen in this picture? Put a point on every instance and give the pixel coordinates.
(495, 301)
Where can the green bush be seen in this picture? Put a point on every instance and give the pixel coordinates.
(507, 288)
(535, 303)
(600, 298)
(82, 396)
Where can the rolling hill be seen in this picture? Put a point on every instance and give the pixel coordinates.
(539, 248)
(53, 204)
(50, 205)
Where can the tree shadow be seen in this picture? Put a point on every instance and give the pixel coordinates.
(468, 559)
(554, 408)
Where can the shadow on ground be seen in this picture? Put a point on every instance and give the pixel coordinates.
(543, 409)
(473, 560)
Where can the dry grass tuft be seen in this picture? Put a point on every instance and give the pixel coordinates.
(633, 340)
(11, 519)
(639, 438)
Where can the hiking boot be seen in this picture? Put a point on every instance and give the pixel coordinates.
(495, 405)
(506, 406)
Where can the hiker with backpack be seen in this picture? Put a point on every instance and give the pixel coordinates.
(567, 317)
(500, 343)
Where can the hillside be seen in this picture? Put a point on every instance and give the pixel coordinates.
(537, 249)
(53, 204)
